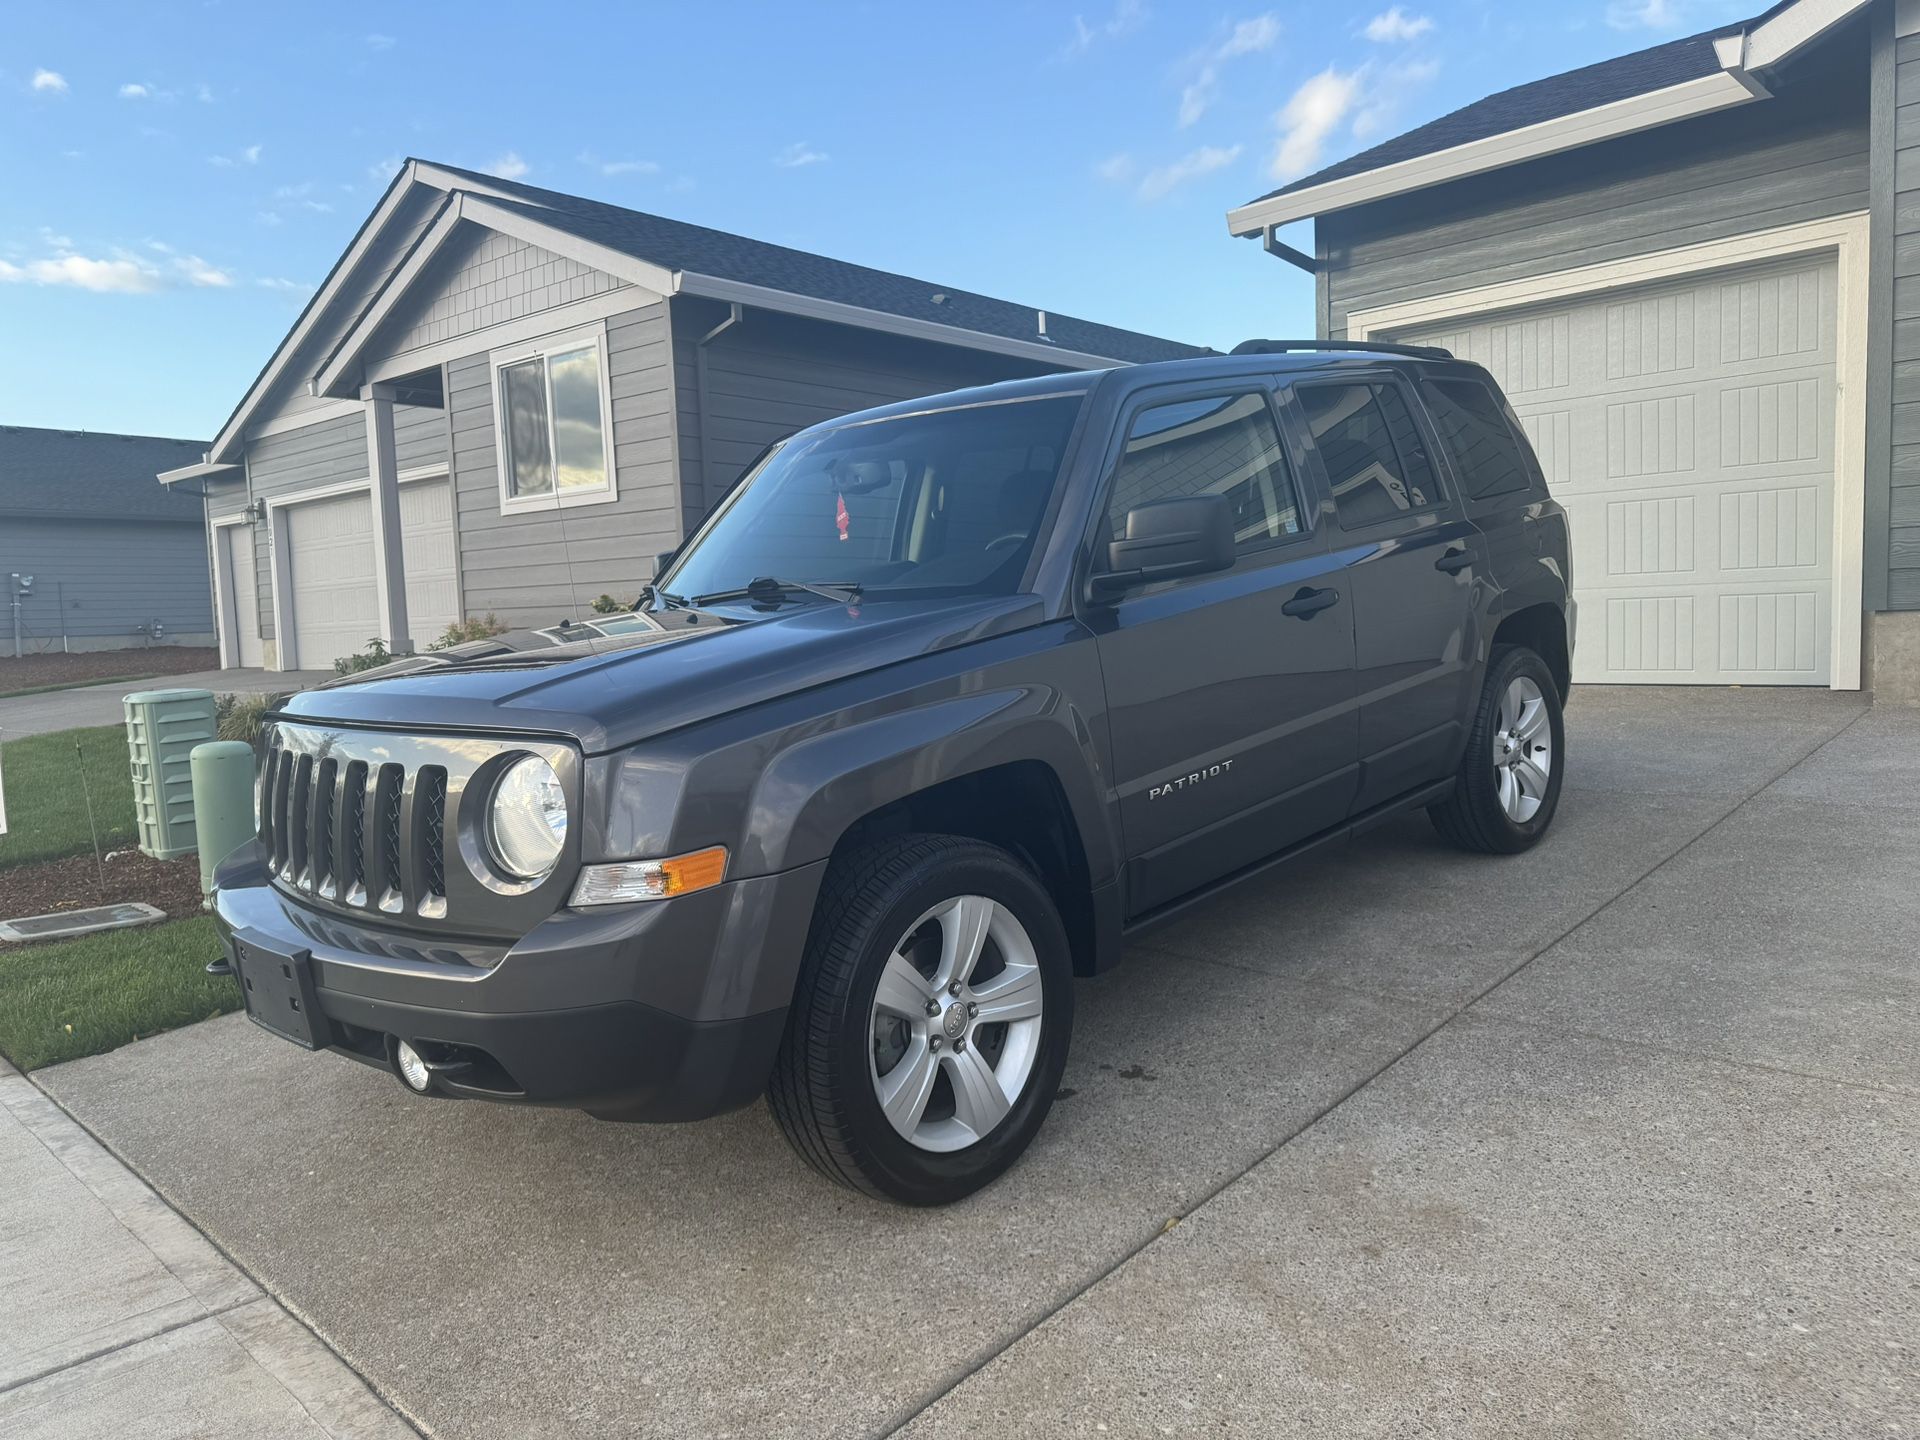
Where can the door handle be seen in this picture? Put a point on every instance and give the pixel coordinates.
(1309, 602)
(1454, 561)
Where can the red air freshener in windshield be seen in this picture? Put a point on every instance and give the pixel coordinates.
(840, 516)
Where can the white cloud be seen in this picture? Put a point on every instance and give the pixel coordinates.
(249, 156)
(203, 92)
(196, 271)
(798, 154)
(124, 275)
(1158, 183)
(380, 42)
(618, 167)
(1395, 25)
(385, 170)
(1644, 14)
(131, 91)
(1316, 110)
(285, 286)
(49, 82)
(1380, 107)
(1249, 37)
(270, 217)
(509, 166)
(1116, 169)
(1127, 16)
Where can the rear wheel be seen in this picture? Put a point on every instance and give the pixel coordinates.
(1508, 787)
(931, 1021)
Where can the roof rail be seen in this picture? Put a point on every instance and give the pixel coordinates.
(1378, 347)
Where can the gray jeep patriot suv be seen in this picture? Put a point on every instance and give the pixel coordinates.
(942, 704)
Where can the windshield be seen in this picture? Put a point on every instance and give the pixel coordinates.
(947, 502)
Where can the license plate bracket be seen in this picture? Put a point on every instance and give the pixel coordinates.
(277, 985)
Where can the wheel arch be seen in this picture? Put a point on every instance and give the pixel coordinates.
(1542, 628)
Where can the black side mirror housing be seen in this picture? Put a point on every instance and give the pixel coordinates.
(1168, 539)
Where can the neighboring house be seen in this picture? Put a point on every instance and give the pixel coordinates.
(505, 400)
(1696, 271)
(114, 563)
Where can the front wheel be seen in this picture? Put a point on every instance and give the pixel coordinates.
(1509, 782)
(930, 1025)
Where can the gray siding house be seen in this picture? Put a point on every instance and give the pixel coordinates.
(508, 401)
(1696, 271)
(113, 563)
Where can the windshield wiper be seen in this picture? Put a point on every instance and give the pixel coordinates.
(766, 590)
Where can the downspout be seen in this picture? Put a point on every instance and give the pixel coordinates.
(735, 314)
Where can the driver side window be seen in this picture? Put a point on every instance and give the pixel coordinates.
(1216, 445)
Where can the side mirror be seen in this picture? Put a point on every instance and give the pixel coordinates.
(662, 561)
(1166, 539)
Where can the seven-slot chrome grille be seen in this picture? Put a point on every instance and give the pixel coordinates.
(371, 823)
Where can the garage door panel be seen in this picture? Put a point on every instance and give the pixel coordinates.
(330, 564)
(426, 535)
(1688, 428)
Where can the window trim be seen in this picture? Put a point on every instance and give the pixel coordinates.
(1416, 411)
(543, 348)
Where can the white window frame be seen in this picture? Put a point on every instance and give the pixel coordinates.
(542, 348)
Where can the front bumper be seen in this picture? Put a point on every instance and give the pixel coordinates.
(664, 1011)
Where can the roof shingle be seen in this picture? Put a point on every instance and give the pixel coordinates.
(677, 245)
(93, 476)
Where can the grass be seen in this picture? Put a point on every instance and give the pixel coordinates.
(97, 993)
(46, 807)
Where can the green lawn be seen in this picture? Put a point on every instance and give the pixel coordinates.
(85, 996)
(46, 807)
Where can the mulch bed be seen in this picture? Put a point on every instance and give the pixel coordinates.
(172, 886)
(98, 666)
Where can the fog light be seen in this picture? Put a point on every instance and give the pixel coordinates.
(413, 1070)
(626, 880)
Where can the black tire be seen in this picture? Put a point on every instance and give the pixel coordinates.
(822, 1090)
(1473, 818)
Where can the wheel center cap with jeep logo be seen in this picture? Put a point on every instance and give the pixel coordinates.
(956, 1022)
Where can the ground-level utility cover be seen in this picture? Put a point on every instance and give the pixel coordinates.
(79, 922)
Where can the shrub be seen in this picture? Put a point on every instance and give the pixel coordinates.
(471, 628)
(371, 658)
(238, 717)
(607, 605)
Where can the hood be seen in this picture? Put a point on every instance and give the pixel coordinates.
(613, 683)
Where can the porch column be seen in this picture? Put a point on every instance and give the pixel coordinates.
(389, 555)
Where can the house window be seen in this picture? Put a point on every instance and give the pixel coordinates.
(553, 424)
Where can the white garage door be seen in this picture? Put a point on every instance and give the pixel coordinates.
(1689, 430)
(426, 537)
(242, 610)
(330, 565)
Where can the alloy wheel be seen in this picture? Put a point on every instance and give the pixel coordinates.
(1522, 750)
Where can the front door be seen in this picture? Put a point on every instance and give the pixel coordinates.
(1230, 696)
(1411, 558)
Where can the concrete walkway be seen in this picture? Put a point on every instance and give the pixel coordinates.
(1619, 1137)
(100, 704)
(117, 1317)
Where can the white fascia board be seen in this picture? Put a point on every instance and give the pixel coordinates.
(761, 297)
(207, 470)
(228, 441)
(347, 352)
(1794, 27)
(1701, 96)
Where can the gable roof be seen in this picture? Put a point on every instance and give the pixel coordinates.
(664, 255)
(83, 475)
(1690, 76)
(676, 245)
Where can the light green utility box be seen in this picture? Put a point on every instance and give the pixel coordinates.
(163, 726)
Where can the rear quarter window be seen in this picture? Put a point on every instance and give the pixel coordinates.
(1490, 459)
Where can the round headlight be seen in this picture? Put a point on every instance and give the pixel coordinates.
(527, 825)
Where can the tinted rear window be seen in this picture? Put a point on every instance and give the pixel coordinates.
(1473, 423)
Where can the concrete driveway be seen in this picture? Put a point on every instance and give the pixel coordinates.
(100, 704)
(1620, 1137)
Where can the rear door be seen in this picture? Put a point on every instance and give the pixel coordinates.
(1230, 695)
(1411, 559)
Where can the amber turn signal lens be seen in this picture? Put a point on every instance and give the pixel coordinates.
(623, 881)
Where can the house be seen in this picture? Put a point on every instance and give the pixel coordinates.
(507, 401)
(97, 558)
(1696, 271)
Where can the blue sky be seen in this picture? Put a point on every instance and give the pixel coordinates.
(177, 178)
